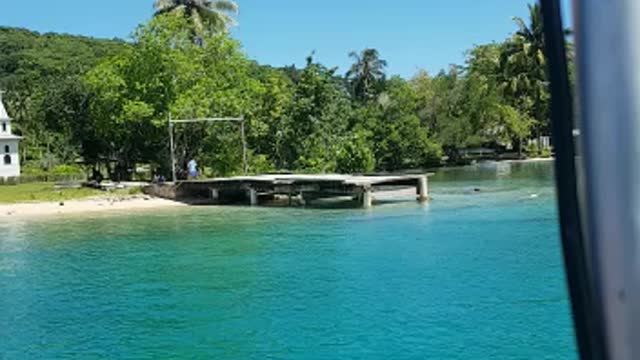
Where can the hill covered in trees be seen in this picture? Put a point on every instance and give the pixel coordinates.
(37, 71)
(106, 102)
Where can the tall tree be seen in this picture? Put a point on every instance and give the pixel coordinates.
(211, 15)
(132, 95)
(523, 76)
(400, 140)
(532, 33)
(366, 74)
(316, 119)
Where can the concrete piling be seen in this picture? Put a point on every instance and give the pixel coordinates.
(367, 199)
(423, 189)
(253, 197)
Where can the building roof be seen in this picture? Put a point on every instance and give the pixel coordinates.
(10, 137)
(3, 110)
(5, 116)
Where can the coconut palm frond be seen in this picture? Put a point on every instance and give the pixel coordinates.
(197, 20)
(227, 6)
(366, 73)
(163, 5)
(210, 15)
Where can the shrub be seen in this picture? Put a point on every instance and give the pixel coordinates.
(12, 180)
(355, 156)
(32, 169)
(532, 150)
(260, 164)
(67, 170)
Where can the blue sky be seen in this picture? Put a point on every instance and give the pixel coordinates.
(410, 34)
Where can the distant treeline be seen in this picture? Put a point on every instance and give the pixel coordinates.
(105, 103)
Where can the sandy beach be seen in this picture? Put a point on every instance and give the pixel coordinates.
(90, 205)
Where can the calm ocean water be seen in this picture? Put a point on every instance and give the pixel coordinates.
(468, 276)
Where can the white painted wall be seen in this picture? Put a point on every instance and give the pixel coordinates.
(5, 127)
(13, 169)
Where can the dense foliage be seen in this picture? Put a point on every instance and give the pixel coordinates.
(42, 75)
(106, 104)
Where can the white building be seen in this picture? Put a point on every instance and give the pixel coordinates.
(9, 159)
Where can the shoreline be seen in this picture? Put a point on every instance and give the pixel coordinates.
(531, 160)
(83, 206)
(103, 204)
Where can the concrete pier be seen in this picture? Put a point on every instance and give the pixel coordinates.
(299, 190)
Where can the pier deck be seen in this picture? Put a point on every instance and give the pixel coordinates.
(255, 190)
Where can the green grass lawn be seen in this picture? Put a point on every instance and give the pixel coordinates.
(43, 192)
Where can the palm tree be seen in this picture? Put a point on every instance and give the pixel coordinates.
(525, 50)
(532, 33)
(211, 15)
(366, 73)
(523, 68)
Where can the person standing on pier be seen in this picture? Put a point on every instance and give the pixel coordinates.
(192, 169)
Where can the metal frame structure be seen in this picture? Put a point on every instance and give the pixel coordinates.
(172, 123)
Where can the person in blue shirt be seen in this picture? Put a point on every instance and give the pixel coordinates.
(192, 169)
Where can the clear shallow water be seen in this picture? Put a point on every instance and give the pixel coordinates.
(469, 276)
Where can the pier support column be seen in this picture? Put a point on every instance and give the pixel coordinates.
(215, 194)
(253, 197)
(367, 199)
(423, 189)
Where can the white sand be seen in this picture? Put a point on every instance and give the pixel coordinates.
(91, 205)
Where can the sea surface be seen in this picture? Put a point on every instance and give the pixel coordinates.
(475, 274)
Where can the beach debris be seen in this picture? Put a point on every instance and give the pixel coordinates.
(61, 203)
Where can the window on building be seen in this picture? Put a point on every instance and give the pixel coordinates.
(4, 126)
(7, 159)
(7, 149)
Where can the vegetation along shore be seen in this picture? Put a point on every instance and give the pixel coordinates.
(85, 104)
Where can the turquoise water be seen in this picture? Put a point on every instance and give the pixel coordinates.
(469, 276)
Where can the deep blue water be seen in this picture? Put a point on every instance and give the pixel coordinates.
(468, 276)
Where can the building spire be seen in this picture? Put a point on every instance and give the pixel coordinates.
(3, 110)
